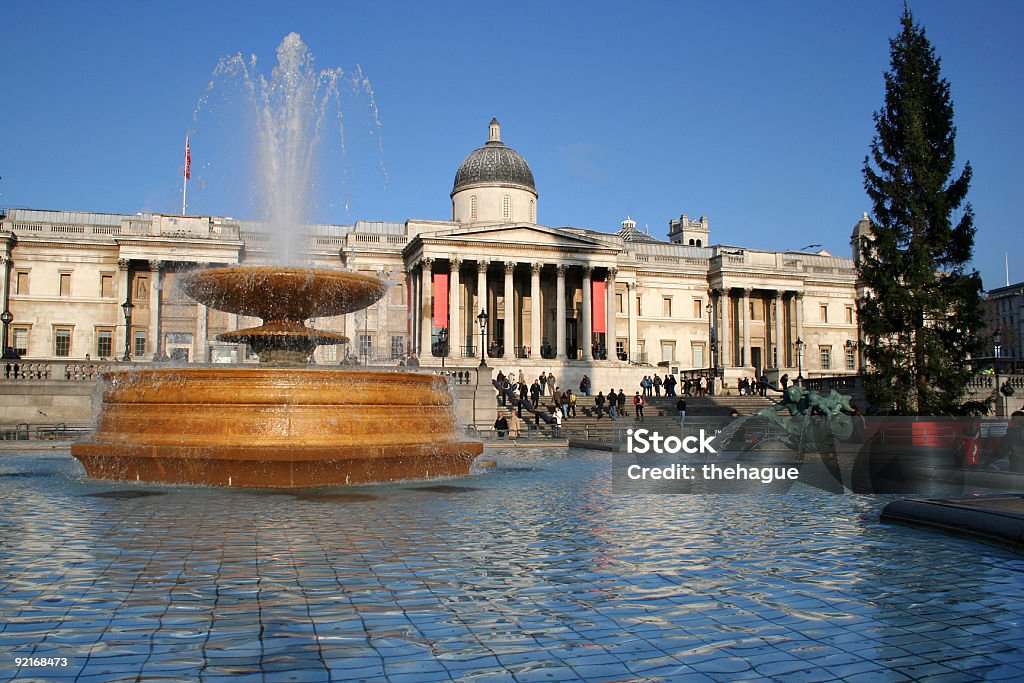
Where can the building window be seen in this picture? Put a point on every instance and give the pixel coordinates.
(472, 207)
(668, 351)
(62, 342)
(639, 306)
(699, 243)
(21, 282)
(851, 359)
(756, 309)
(506, 207)
(823, 313)
(698, 308)
(104, 343)
(397, 347)
(365, 345)
(398, 294)
(107, 286)
(141, 287)
(140, 343)
(20, 340)
(698, 355)
(826, 357)
(620, 349)
(849, 315)
(666, 306)
(618, 303)
(533, 212)
(65, 284)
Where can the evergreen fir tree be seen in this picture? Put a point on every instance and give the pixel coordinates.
(921, 313)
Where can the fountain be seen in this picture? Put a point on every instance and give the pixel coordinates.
(282, 424)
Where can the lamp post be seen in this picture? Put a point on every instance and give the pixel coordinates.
(997, 345)
(442, 343)
(127, 306)
(712, 361)
(6, 318)
(482, 319)
(800, 361)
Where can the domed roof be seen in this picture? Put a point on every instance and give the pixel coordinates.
(494, 163)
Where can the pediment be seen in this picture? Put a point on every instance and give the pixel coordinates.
(520, 235)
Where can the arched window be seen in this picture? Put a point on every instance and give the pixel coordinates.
(533, 216)
(506, 208)
(691, 242)
(698, 243)
(472, 207)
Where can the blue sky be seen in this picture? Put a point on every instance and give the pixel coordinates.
(756, 114)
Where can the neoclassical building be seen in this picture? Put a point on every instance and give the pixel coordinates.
(572, 300)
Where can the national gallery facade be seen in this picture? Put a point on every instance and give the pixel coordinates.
(574, 301)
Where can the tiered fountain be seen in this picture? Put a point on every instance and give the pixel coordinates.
(283, 424)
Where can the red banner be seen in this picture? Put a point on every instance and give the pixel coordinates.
(440, 300)
(599, 306)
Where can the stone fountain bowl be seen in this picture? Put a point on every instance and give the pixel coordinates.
(280, 293)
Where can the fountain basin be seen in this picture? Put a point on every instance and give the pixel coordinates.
(274, 427)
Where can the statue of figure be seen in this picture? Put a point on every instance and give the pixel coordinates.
(815, 421)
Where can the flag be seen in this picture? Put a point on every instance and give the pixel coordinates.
(188, 160)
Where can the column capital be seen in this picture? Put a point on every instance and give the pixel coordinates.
(612, 272)
(427, 262)
(535, 268)
(5, 259)
(122, 264)
(156, 265)
(631, 286)
(481, 265)
(510, 266)
(798, 295)
(455, 262)
(560, 268)
(588, 271)
(747, 291)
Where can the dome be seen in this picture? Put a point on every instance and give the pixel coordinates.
(494, 163)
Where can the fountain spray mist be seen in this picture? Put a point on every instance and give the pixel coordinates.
(294, 109)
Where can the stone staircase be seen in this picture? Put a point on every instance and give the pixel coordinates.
(659, 415)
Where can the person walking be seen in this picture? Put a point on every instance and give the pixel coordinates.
(681, 409)
(657, 385)
(599, 403)
(543, 380)
(621, 401)
(572, 403)
(585, 386)
(551, 382)
(638, 406)
(535, 393)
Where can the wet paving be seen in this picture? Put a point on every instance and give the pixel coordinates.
(534, 572)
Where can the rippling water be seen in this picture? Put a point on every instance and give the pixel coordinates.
(535, 572)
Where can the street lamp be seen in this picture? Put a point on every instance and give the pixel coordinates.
(712, 362)
(997, 345)
(127, 306)
(482, 319)
(800, 361)
(6, 318)
(442, 343)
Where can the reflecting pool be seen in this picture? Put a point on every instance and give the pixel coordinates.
(533, 572)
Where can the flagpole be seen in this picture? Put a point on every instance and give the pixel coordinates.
(184, 186)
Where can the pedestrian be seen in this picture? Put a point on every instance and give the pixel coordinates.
(557, 414)
(501, 426)
(7, 371)
(534, 393)
(599, 403)
(524, 393)
(784, 381)
(621, 401)
(638, 406)
(543, 379)
(681, 409)
(585, 386)
(572, 403)
(657, 385)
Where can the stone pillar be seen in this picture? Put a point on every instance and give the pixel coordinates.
(410, 326)
(631, 349)
(725, 334)
(455, 338)
(610, 311)
(510, 310)
(560, 313)
(745, 317)
(155, 309)
(536, 312)
(588, 316)
(780, 340)
(481, 301)
(798, 309)
(426, 322)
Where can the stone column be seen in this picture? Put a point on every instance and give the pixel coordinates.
(510, 310)
(610, 312)
(560, 313)
(631, 349)
(126, 290)
(410, 304)
(588, 316)
(481, 298)
(798, 308)
(455, 340)
(426, 323)
(202, 346)
(780, 340)
(155, 309)
(725, 334)
(536, 312)
(745, 354)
